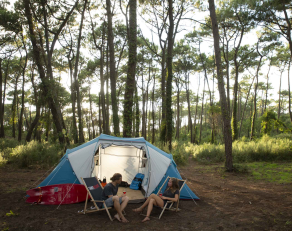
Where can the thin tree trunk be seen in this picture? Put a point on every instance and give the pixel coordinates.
(14, 110)
(202, 111)
(91, 114)
(73, 99)
(255, 97)
(266, 101)
(137, 112)
(279, 102)
(177, 110)
(195, 122)
(169, 76)
(107, 92)
(153, 112)
(38, 109)
(1, 100)
(289, 94)
(224, 107)
(243, 112)
(130, 82)
(112, 69)
(20, 123)
(190, 125)
(76, 78)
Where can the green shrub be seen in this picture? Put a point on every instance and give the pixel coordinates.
(35, 154)
(264, 149)
(180, 151)
(209, 153)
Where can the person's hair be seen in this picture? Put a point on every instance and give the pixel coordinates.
(175, 185)
(116, 176)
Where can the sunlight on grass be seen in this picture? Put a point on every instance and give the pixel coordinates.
(272, 172)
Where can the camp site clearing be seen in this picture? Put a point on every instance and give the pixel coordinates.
(228, 201)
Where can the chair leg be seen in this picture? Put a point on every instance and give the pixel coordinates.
(85, 206)
(162, 211)
(108, 213)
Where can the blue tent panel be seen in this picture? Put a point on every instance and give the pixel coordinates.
(62, 174)
(186, 193)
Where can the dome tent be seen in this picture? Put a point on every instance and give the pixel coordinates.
(106, 155)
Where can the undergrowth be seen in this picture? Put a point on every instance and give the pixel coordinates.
(32, 154)
(265, 149)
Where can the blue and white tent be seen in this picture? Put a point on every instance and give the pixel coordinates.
(106, 155)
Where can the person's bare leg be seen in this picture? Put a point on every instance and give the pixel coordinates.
(149, 209)
(124, 203)
(117, 206)
(155, 200)
(140, 209)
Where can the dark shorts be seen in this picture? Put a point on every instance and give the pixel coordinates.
(109, 201)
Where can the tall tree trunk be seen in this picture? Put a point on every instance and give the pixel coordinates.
(252, 130)
(177, 110)
(289, 94)
(153, 112)
(112, 69)
(169, 76)
(107, 91)
(266, 101)
(202, 111)
(143, 108)
(73, 99)
(195, 122)
(48, 123)
(76, 78)
(130, 82)
(1, 100)
(244, 109)
(223, 102)
(14, 106)
(279, 101)
(189, 105)
(103, 109)
(137, 112)
(163, 100)
(146, 111)
(20, 123)
(91, 114)
(99, 115)
(38, 108)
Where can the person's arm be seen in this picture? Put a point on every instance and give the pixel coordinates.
(175, 199)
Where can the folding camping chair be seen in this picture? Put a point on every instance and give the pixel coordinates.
(94, 190)
(168, 205)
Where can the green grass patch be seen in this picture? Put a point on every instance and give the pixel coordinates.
(271, 172)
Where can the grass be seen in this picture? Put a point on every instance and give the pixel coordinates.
(280, 173)
(271, 172)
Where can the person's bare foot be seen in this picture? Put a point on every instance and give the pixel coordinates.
(137, 210)
(146, 219)
(117, 217)
(124, 220)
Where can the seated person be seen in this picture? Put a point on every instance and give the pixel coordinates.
(170, 194)
(109, 195)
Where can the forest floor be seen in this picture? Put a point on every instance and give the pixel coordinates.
(228, 201)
